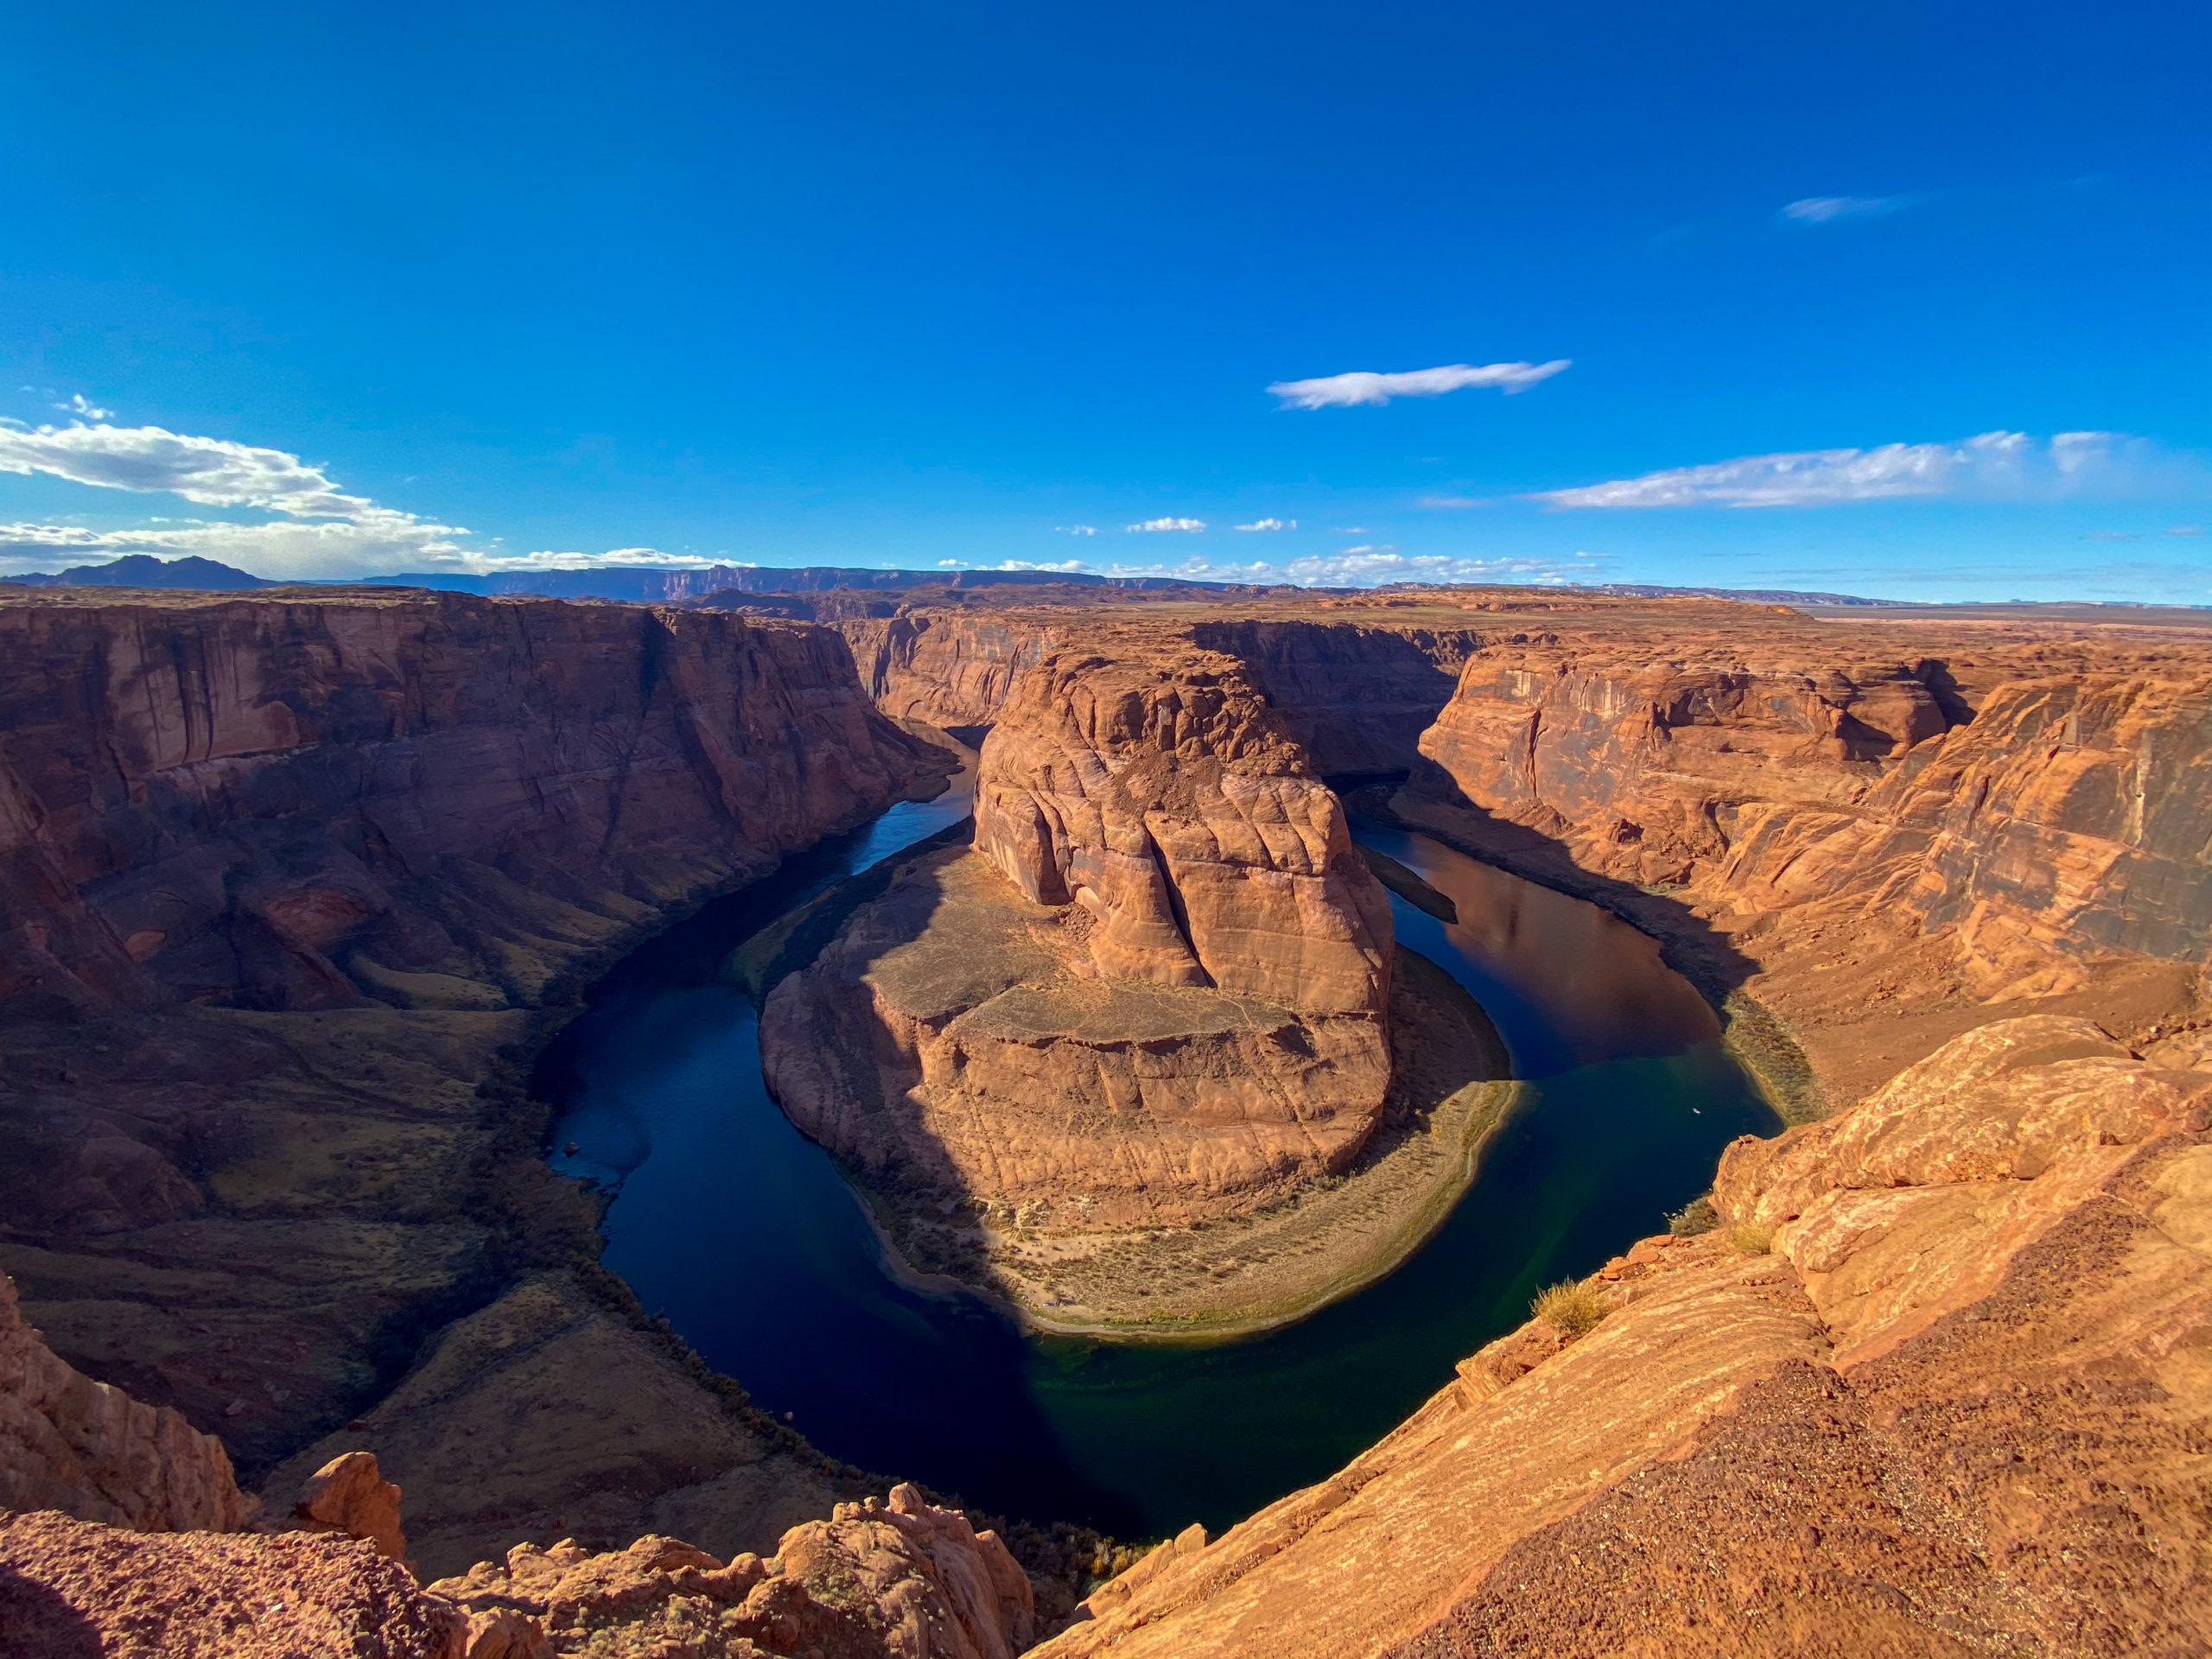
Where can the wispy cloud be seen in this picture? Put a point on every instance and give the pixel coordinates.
(316, 528)
(1825, 210)
(1369, 567)
(1454, 501)
(1270, 524)
(1995, 466)
(1365, 386)
(1153, 526)
(548, 559)
(1354, 567)
(1367, 547)
(78, 406)
(1077, 530)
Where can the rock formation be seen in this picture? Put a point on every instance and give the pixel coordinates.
(2063, 819)
(1881, 828)
(1933, 1387)
(280, 878)
(350, 1495)
(71, 1444)
(71, 1587)
(295, 804)
(1157, 991)
(904, 1579)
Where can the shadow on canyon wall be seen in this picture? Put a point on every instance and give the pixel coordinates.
(1425, 800)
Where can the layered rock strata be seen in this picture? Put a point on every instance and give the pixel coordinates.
(90, 1449)
(1158, 990)
(1169, 804)
(1878, 830)
(902, 1579)
(1933, 1387)
(282, 877)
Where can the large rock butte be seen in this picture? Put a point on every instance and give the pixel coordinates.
(1158, 990)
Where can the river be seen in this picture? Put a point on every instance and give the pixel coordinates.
(743, 1234)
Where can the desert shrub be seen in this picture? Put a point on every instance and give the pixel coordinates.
(1572, 1307)
(1696, 1216)
(1750, 1239)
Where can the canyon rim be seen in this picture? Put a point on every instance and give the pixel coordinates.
(300, 884)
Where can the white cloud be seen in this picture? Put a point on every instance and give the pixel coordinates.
(647, 558)
(1365, 386)
(1365, 567)
(1454, 501)
(318, 529)
(1154, 525)
(1821, 210)
(1359, 567)
(212, 471)
(78, 406)
(285, 548)
(1995, 466)
(1077, 530)
(1367, 547)
(2186, 529)
(1270, 524)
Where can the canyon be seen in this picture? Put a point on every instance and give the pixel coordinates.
(1158, 990)
(295, 884)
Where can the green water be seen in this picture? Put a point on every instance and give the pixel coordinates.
(739, 1230)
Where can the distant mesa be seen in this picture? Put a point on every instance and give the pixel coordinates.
(144, 570)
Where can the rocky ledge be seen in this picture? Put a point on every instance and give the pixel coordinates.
(1156, 998)
(1934, 1385)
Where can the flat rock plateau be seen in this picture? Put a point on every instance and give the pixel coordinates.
(293, 886)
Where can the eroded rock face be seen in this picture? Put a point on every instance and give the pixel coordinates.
(255, 802)
(1168, 803)
(1156, 991)
(952, 668)
(2065, 817)
(1355, 695)
(280, 878)
(72, 1588)
(899, 1580)
(68, 1443)
(1948, 1405)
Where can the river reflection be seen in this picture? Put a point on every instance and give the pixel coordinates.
(743, 1234)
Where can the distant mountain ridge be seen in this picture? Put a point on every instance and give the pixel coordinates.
(643, 584)
(144, 570)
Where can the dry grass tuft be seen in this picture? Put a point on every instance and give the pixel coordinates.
(1571, 1308)
(1749, 1240)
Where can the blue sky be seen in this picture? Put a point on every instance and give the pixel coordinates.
(342, 289)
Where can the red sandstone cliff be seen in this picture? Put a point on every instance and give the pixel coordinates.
(952, 668)
(69, 1443)
(230, 802)
(281, 878)
(1168, 802)
(1158, 990)
(1934, 1387)
(2065, 816)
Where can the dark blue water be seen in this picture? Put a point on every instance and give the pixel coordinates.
(744, 1234)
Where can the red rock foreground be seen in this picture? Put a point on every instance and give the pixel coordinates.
(1937, 1385)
